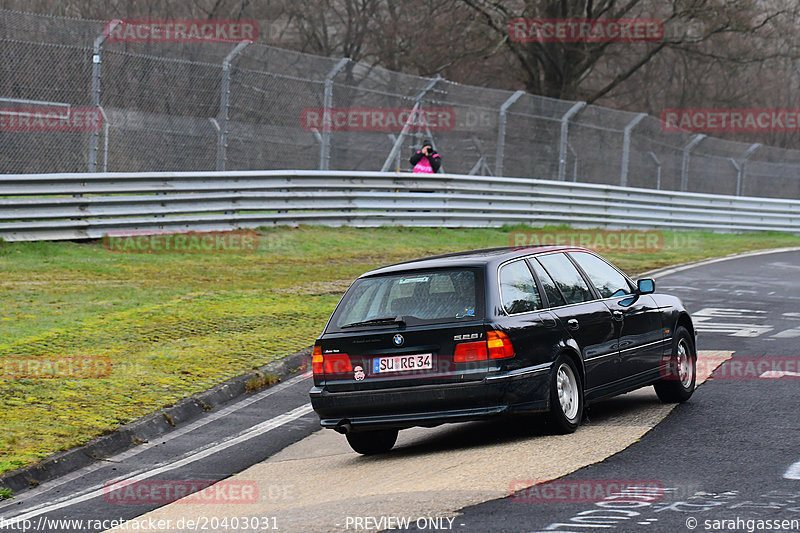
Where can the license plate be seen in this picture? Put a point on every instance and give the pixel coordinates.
(402, 363)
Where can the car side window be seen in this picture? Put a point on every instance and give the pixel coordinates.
(608, 281)
(518, 289)
(553, 294)
(567, 277)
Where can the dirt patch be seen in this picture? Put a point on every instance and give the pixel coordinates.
(336, 286)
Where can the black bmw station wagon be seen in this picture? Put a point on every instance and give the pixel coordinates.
(476, 334)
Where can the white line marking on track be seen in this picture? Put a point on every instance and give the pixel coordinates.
(706, 320)
(781, 264)
(793, 472)
(730, 313)
(787, 333)
(777, 374)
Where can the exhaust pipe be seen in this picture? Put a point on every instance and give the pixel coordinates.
(343, 426)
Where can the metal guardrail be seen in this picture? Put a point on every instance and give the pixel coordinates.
(85, 206)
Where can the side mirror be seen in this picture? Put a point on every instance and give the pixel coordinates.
(646, 286)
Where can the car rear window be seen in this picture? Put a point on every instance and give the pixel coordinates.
(418, 297)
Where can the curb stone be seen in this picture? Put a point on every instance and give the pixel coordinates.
(149, 426)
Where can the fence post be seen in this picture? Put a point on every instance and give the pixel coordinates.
(658, 169)
(327, 103)
(97, 49)
(574, 162)
(741, 174)
(411, 117)
(626, 148)
(562, 149)
(105, 138)
(501, 132)
(738, 168)
(685, 165)
(224, 104)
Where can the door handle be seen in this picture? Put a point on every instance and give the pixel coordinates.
(572, 324)
(617, 315)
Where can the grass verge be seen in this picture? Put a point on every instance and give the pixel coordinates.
(174, 324)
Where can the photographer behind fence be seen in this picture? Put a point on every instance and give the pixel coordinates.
(426, 160)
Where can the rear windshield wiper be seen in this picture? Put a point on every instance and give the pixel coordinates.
(399, 320)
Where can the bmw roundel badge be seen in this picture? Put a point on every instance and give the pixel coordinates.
(398, 340)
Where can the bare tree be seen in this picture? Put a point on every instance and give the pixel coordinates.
(342, 28)
(592, 70)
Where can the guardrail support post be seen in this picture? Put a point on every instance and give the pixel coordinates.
(411, 117)
(685, 165)
(97, 50)
(626, 148)
(501, 132)
(327, 103)
(741, 173)
(224, 104)
(562, 149)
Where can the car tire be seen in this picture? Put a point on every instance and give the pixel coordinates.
(678, 377)
(566, 396)
(372, 442)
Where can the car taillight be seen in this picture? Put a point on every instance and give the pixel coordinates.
(470, 351)
(496, 346)
(332, 363)
(336, 363)
(499, 345)
(316, 361)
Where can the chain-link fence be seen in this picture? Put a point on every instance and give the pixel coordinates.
(240, 106)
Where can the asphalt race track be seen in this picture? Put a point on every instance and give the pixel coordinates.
(721, 462)
(727, 459)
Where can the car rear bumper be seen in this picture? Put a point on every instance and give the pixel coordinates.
(430, 405)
